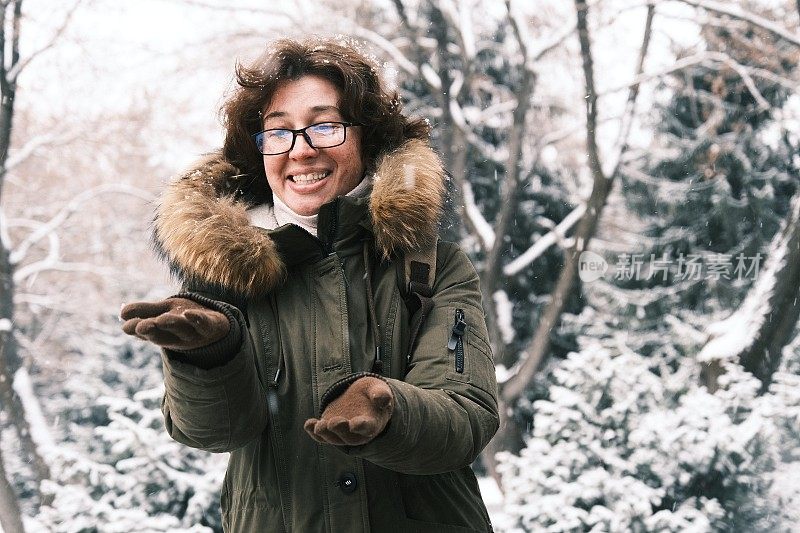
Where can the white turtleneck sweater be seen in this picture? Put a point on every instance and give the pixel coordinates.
(276, 215)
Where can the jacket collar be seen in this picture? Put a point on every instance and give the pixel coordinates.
(202, 230)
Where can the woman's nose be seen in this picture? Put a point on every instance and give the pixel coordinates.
(302, 148)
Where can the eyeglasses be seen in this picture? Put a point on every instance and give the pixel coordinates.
(320, 135)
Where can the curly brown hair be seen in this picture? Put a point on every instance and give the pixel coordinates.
(363, 100)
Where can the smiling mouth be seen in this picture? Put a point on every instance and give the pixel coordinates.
(309, 178)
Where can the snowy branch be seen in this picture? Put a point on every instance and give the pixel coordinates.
(497, 109)
(543, 243)
(40, 432)
(737, 12)
(71, 208)
(20, 155)
(387, 46)
(763, 323)
(431, 77)
(19, 66)
(484, 229)
(50, 263)
(491, 153)
(459, 19)
(26, 151)
(519, 33)
(43, 301)
(504, 311)
(556, 136)
(745, 72)
(144, 436)
(230, 8)
(672, 187)
(466, 29)
(5, 238)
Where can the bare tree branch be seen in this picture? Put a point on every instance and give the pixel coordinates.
(630, 105)
(229, 8)
(539, 345)
(736, 12)
(746, 72)
(7, 95)
(15, 18)
(552, 43)
(18, 66)
(490, 276)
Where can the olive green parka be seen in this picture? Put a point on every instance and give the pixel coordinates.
(310, 315)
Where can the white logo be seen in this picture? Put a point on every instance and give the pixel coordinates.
(591, 266)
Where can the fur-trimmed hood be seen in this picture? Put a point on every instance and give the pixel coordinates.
(202, 229)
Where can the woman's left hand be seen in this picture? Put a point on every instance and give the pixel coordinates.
(357, 416)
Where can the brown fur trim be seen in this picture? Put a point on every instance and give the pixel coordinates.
(206, 235)
(202, 229)
(406, 201)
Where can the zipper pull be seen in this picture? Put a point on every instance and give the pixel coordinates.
(272, 394)
(377, 363)
(459, 328)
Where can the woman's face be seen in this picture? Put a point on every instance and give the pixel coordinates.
(305, 178)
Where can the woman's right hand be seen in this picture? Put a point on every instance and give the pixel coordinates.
(176, 324)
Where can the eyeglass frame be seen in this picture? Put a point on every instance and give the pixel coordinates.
(302, 131)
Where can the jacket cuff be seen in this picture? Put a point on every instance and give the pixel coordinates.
(338, 388)
(220, 352)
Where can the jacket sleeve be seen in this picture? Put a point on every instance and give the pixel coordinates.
(445, 412)
(214, 399)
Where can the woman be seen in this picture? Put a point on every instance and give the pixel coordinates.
(348, 401)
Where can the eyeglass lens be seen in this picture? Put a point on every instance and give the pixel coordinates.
(323, 135)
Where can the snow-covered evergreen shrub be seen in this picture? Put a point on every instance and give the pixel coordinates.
(118, 471)
(624, 443)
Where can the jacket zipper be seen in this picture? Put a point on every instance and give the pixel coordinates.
(333, 228)
(456, 342)
(272, 385)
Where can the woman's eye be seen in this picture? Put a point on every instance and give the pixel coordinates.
(278, 134)
(326, 128)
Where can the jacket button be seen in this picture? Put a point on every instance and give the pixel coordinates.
(348, 482)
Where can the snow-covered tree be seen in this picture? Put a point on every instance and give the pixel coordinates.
(625, 442)
(704, 200)
(626, 436)
(116, 470)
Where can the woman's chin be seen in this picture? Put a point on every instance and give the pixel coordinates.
(305, 206)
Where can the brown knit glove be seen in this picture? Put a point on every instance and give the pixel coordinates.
(357, 416)
(176, 324)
